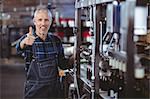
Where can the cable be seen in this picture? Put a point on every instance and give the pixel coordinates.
(76, 83)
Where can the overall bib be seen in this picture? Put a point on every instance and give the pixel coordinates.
(42, 76)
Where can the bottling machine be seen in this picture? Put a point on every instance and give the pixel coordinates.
(113, 61)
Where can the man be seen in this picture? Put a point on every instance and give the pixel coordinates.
(43, 53)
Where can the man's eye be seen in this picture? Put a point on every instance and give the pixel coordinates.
(40, 19)
(46, 20)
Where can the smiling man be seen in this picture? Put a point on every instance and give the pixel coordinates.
(43, 53)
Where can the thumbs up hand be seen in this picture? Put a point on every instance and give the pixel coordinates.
(29, 40)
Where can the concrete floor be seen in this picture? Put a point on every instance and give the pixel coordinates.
(12, 81)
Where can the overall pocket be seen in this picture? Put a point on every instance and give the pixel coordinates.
(48, 67)
(31, 74)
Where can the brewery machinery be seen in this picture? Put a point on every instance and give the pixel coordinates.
(112, 49)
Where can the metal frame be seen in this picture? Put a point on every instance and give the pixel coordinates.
(96, 18)
(95, 8)
(87, 3)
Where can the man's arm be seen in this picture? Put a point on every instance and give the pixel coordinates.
(18, 45)
(64, 63)
(27, 39)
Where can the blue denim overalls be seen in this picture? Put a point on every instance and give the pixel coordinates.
(42, 76)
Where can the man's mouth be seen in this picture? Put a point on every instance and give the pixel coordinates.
(43, 28)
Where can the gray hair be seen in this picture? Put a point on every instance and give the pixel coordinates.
(43, 8)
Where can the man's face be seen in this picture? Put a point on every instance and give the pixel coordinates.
(42, 22)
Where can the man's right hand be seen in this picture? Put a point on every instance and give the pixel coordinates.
(29, 40)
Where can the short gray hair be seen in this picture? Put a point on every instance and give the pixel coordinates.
(43, 8)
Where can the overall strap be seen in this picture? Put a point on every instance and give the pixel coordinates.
(33, 51)
(53, 42)
(33, 48)
(54, 45)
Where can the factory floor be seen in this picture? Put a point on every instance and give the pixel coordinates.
(12, 78)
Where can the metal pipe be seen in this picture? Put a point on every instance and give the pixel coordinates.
(130, 49)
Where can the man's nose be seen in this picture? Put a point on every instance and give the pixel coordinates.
(43, 22)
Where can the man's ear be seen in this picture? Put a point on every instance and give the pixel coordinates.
(51, 21)
(34, 21)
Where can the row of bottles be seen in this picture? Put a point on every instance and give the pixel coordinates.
(117, 64)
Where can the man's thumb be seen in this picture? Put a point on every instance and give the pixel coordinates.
(30, 31)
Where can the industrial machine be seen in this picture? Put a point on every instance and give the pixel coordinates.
(112, 49)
